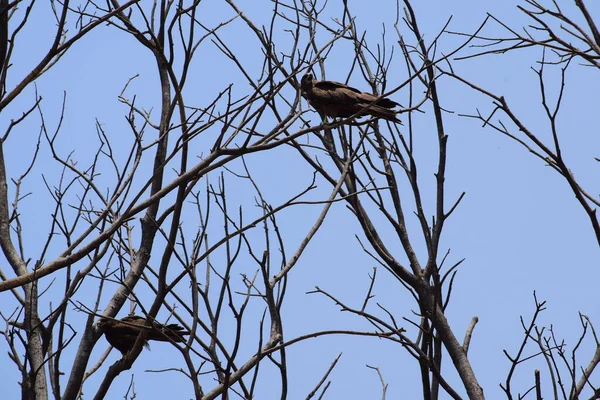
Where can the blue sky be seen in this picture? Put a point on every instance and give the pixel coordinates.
(519, 227)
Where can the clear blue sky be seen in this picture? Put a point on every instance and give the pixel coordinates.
(519, 227)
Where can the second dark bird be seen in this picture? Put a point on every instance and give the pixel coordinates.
(337, 100)
(122, 334)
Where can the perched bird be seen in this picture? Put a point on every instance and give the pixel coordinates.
(123, 334)
(336, 99)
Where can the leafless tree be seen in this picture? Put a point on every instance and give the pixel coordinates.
(102, 234)
(566, 38)
(169, 217)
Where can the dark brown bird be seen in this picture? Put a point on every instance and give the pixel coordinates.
(123, 334)
(338, 100)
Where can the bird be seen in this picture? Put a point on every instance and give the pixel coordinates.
(122, 334)
(337, 100)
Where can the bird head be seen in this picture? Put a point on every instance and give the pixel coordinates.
(102, 324)
(307, 80)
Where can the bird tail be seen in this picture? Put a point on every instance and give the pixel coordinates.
(172, 331)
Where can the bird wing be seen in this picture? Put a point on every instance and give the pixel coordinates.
(364, 99)
(334, 86)
(134, 319)
(337, 99)
(342, 93)
(133, 324)
(122, 334)
(342, 89)
(335, 94)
